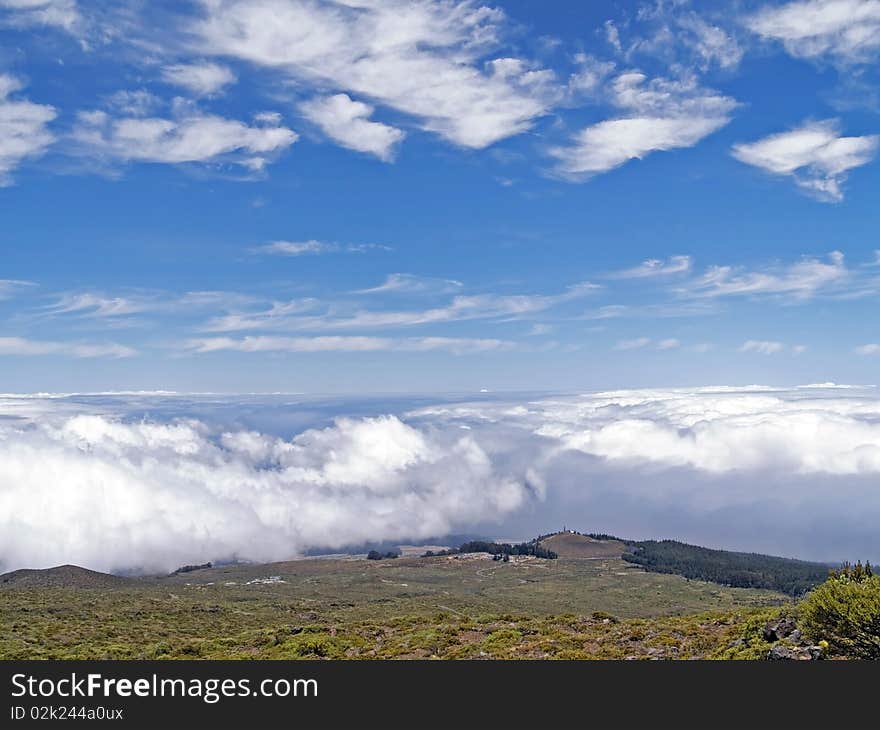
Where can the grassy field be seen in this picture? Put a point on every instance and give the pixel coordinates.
(448, 607)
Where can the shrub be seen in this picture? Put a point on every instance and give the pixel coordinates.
(845, 612)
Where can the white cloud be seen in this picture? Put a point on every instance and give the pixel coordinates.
(814, 155)
(202, 79)
(718, 429)
(677, 36)
(20, 346)
(669, 344)
(190, 137)
(455, 345)
(869, 349)
(764, 347)
(24, 132)
(423, 59)
(791, 471)
(297, 248)
(799, 281)
(348, 122)
(314, 247)
(634, 344)
(83, 489)
(710, 43)
(134, 103)
(846, 30)
(659, 115)
(23, 13)
(589, 77)
(657, 267)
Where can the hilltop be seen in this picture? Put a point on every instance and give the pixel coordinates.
(575, 546)
(62, 576)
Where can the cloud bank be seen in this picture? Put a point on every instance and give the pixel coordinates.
(789, 471)
(118, 495)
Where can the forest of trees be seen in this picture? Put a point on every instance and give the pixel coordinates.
(741, 570)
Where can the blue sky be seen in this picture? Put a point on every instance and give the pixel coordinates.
(244, 195)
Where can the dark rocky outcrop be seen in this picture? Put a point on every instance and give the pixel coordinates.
(790, 645)
(780, 628)
(792, 652)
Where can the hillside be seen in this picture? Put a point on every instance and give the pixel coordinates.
(462, 605)
(744, 570)
(573, 545)
(63, 576)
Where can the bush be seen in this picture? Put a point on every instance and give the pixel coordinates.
(376, 555)
(845, 612)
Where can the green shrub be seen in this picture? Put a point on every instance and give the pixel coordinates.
(845, 612)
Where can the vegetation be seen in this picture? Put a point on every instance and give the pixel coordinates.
(845, 612)
(742, 570)
(494, 548)
(192, 568)
(450, 607)
(376, 555)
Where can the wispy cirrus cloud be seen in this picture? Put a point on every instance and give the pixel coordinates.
(676, 35)
(454, 345)
(636, 343)
(412, 284)
(764, 347)
(771, 347)
(10, 287)
(656, 267)
(313, 247)
(131, 306)
(297, 314)
(23, 347)
(24, 13)
(814, 155)
(800, 281)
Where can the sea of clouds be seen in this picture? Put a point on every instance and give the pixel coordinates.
(148, 482)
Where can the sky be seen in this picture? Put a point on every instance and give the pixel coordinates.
(491, 268)
(382, 196)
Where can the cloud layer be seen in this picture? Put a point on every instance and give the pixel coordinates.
(136, 495)
(91, 481)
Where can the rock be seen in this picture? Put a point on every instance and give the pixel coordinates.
(779, 629)
(795, 653)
